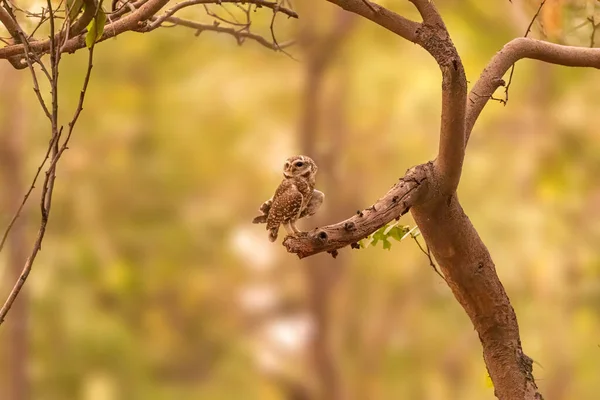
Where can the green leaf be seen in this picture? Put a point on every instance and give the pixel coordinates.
(389, 227)
(74, 7)
(378, 235)
(398, 232)
(95, 28)
(387, 245)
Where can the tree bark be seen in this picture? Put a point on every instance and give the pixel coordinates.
(471, 275)
(429, 192)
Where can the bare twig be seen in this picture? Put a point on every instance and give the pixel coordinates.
(55, 151)
(512, 69)
(594, 28)
(188, 3)
(518, 49)
(276, 10)
(134, 21)
(239, 35)
(428, 254)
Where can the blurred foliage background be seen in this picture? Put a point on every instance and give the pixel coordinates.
(153, 284)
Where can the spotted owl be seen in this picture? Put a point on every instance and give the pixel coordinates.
(295, 198)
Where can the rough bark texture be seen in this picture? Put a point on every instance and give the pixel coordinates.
(429, 191)
(471, 274)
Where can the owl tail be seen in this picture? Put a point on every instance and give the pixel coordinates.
(273, 234)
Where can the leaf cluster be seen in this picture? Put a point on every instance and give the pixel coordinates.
(393, 230)
(96, 26)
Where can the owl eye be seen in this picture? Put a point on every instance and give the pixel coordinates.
(299, 164)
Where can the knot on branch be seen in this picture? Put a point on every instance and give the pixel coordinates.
(436, 40)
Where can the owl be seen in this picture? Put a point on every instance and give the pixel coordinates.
(295, 198)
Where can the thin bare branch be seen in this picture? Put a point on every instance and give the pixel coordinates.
(595, 26)
(428, 255)
(134, 21)
(239, 35)
(55, 151)
(188, 3)
(512, 69)
(518, 49)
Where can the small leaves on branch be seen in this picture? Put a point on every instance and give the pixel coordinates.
(96, 27)
(393, 230)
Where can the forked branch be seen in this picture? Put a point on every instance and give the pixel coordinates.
(142, 16)
(56, 148)
(443, 174)
(462, 256)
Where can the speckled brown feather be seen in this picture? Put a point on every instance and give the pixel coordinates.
(290, 198)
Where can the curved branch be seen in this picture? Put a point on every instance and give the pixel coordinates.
(434, 37)
(394, 204)
(381, 16)
(515, 50)
(454, 242)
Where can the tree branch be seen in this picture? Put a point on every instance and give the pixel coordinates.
(54, 152)
(429, 192)
(135, 21)
(395, 203)
(259, 3)
(515, 50)
(388, 19)
(239, 35)
(127, 23)
(9, 23)
(434, 37)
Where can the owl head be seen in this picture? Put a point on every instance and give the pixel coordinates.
(299, 166)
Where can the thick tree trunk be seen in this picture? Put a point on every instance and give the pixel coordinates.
(471, 274)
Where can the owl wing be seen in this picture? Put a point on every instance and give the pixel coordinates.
(264, 209)
(287, 203)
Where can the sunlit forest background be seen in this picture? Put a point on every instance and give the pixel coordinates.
(153, 284)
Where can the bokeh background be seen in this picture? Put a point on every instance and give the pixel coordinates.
(153, 284)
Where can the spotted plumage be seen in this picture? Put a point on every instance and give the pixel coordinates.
(295, 198)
